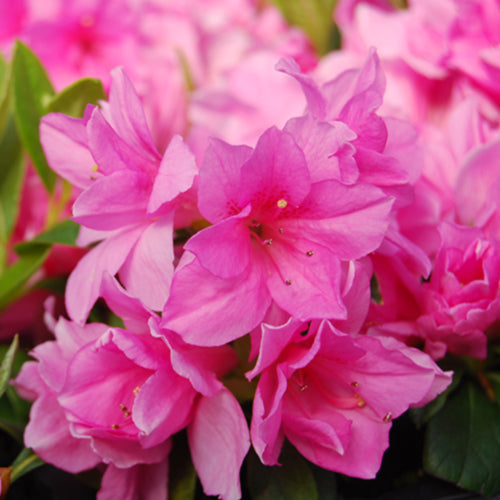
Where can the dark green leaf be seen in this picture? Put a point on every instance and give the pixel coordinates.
(11, 176)
(494, 379)
(64, 233)
(292, 481)
(7, 363)
(182, 475)
(31, 92)
(462, 441)
(25, 462)
(14, 413)
(14, 277)
(326, 483)
(73, 100)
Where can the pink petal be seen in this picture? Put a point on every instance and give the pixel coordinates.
(84, 283)
(315, 100)
(147, 272)
(147, 482)
(276, 170)
(128, 308)
(219, 189)
(126, 115)
(65, 144)
(305, 286)
(111, 151)
(175, 174)
(327, 148)
(349, 220)
(113, 201)
(266, 431)
(219, 441)
(207, 310)
(48, 434)
(163, 406)
(223, 249)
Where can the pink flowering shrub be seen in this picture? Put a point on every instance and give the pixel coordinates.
(276, 259)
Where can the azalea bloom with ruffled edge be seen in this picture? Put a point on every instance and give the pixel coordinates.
(333, 395)
(129, 196)
(276, 237)
(148, 384)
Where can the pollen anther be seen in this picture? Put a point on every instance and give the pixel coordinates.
(288, 282)
(136, 390)
(310, 253)
(282, 203)
(388, 417)
(361, 401)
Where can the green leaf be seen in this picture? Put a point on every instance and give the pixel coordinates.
(64, 233)
(14, 413)
(314, 17)
(73, 100)
(25, 462)
(14, 277)
(32, 91)
(462, 442)
(5, 74)
(11, 176)
(7, 363)
(293, 480)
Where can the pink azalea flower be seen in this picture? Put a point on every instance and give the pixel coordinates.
(383, 152)
(477, 189)
(118, 395)
(128, 198)
(434, 53)
(276, 236)
(333, 395)
(459, 303)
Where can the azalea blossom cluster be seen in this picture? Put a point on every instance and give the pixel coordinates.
(339, 213)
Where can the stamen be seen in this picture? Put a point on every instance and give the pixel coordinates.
(361, 401)
(268, 242)
(115, 427)
(298, 378)
(136, 391)
(355, 384)
(125, 411)
(310, 253)
(388, 417)
(282, 203)
(95, 168)
(288, 282)
(281, 230)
